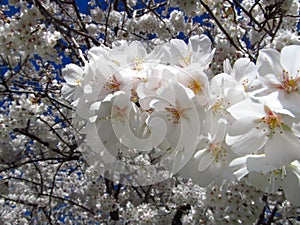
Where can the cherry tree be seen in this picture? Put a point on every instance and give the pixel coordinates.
(149, 112)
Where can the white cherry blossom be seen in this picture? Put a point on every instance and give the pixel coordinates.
(73, 76)
(183, 126)
(259, 129)
(198, 51)
(280, 73)
(147, 86)
(196, 81)
(210, 163)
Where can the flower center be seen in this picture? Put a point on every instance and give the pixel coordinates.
(113, 84)
(217, 151)
(187, 59)
(137, 64)
(219, 106)
(289, 84)
(175, 112)
(78, 82)
(195, 86)
(279, 173)
(272, 119)
(245, 84)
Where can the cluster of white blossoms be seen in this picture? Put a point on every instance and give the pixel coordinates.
(24, 33)
(149, 112)
(143, 111)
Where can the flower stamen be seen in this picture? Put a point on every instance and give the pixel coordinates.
(175, 112)
(216, 150)
(137, 64)
(78, 82)
(113, 84)
(289, 84)
(272, 119)
(280, 172)
(195, 86)
(187, 59)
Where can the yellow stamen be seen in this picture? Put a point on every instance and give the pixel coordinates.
(187, 60)
(195, 86)
(113, 84)
(289, 84)
(176, 113)
(216, 150)
(78, 82)
(272, 119)
(137, 64)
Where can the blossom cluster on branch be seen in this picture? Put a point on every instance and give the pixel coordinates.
(162, 106)
(149, 112)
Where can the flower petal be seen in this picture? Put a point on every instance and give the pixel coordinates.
(266, 183)
(205, 161)
(73, 74)
(243, 125)
(243, 68)
(290, 59)
(291, 185)
(246, 108)
(259, 164)
(249, 142)
(268, 61)
(282, 149)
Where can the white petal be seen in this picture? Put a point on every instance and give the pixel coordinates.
(238, 162)
(205, 161)
(222, 82)
(68, 91)
(220, 132)
(122, 128)
(161, 53)
(249, 142)
(95, 106)
(95, 52)
(198, 155)
(73, 74)
(179, 45)
(243, 125)
(200, 44)
(266, 183)
(282, 149)
(268, 61)
(227, 67)
(246, 108)
(291, 186)
(271, 100)
(290, 59)
(179, 52)
(259, 164)
(187, 144)
(241, 173)
(135, 51)
(271, 80)
(235, 94)
(243, 68)
(290, 101)
(296, 129)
